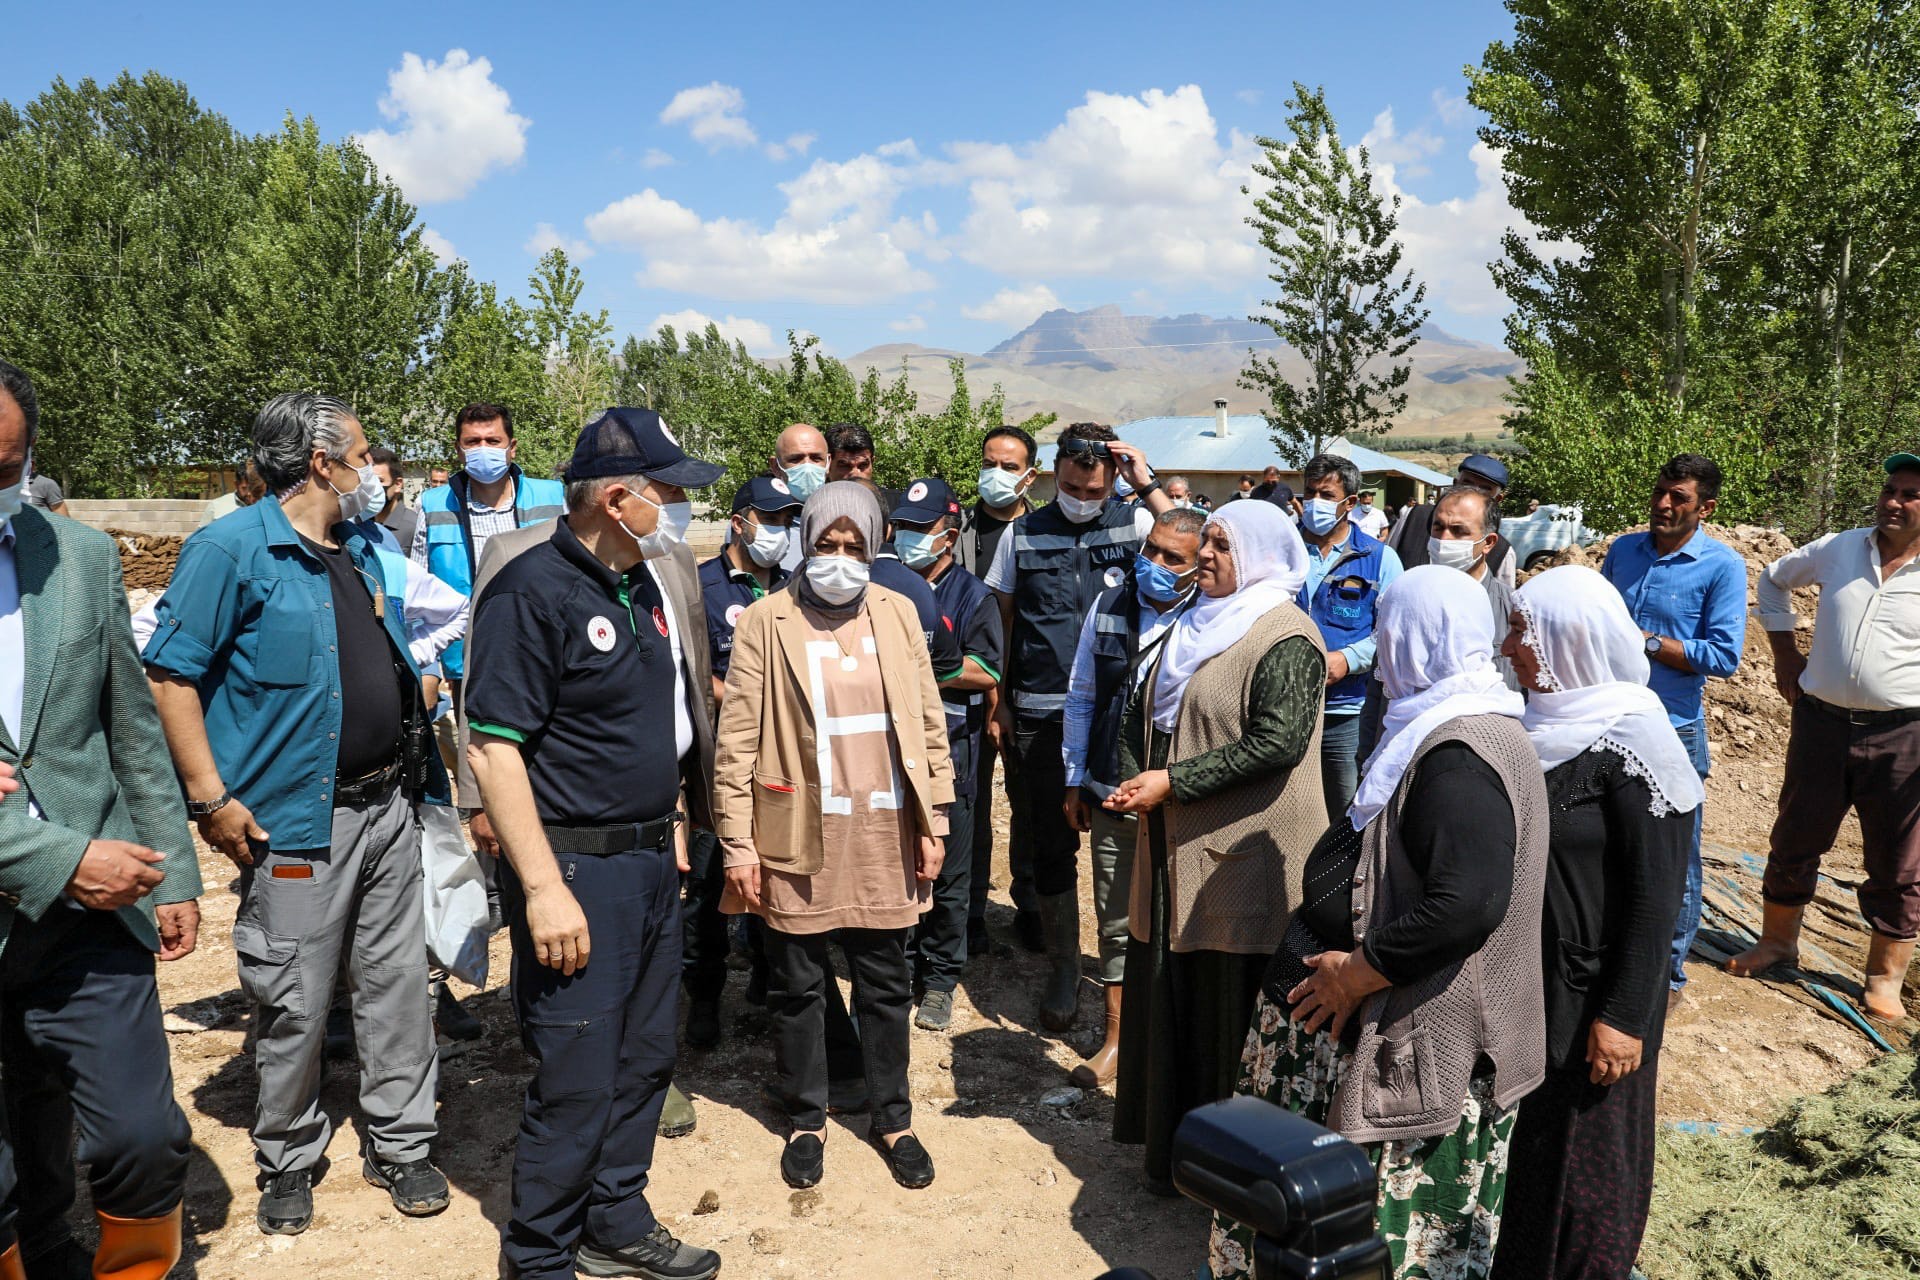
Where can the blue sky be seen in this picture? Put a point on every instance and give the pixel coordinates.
(871, 173)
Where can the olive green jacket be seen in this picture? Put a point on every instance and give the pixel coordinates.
(91, 752)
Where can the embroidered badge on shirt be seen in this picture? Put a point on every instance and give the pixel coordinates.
(733, 614)
(660, 620)
(1114, 575)
(600, 634)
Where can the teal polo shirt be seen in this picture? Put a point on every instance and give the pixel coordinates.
(248, 620)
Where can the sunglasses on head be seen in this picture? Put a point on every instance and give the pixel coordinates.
(1085, 450)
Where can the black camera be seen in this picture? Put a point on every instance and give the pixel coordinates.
(1306, 1192)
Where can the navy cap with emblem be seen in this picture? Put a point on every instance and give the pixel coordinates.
(1487, 466)
(630, 442)
(925, 501)
(765, 493)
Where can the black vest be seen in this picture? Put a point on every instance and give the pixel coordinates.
(1061, 567)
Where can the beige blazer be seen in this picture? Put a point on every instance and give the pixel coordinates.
(766, 784)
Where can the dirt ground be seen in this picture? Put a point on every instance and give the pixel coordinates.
(1029, 1182)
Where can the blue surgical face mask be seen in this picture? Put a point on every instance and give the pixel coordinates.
(487, 464)
(1000, 488)
(1319, 515)
(805, 478)
(918, 550)
(1159, 583)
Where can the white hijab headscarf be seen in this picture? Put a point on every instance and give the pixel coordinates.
(1269, 566)
(1593, 658)
(1434, 647)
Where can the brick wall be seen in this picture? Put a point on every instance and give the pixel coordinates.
(139, 515)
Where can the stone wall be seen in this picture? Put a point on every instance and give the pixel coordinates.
(139, 515)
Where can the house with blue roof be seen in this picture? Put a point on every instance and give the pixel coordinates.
(1214, 452)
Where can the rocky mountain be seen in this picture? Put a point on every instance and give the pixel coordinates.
(1108, 366)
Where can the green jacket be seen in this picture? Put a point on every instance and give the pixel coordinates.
(92, 753)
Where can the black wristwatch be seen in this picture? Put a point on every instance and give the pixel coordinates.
(1147, 488)
(1654, 645)
(206, 809)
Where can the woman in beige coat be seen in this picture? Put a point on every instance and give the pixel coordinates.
(831, 787)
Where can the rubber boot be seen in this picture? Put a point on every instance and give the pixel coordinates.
(1101, 1066)
(1779, 942)
(11, 1268)
(137, 1248)
(1060, 998)
(1887, 962)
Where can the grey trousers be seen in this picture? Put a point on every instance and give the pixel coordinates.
(1113, 840)
(306, 912)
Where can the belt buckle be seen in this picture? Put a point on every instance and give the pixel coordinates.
(1860, 719)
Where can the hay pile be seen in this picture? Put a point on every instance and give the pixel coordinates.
(1832, 1190)
(147, 559)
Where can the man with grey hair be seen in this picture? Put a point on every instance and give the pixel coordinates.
(293, 710)
(586, 742)
(1179, 492)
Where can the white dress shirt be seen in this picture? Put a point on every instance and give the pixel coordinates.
(13, 651)
(1866, 631)
(1077, 718)
(682, 717)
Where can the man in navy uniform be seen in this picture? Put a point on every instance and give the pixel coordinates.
(747, 568)
(583, 718)
(926, 527)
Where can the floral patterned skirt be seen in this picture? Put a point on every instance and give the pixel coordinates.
(1440, 1198)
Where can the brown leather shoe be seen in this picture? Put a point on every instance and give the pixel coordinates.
(1103, 1063)
(137, 1248)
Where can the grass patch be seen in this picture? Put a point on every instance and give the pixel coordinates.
(1832, 1190)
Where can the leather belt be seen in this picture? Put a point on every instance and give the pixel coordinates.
(372, 786)
(604, 842)
(1899, 715)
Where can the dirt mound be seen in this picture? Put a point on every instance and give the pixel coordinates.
(147, 559)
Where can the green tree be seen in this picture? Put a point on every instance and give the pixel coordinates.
(578, 347)
(484, 348)
(1343, 303)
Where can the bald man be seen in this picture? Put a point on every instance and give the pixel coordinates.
(800, 458)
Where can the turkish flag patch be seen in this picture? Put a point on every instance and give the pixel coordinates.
(660, 620)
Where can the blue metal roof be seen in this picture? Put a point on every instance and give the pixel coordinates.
(1194, 444)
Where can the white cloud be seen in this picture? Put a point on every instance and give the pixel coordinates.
(904, 149)
(441, 247)
(796, 144)
(757, 336)
(1450, 242)
(655, 159)
(455, 127)
(1408, 152)
(1250, 96)
(912, 324)
(1453, 111)
(833, 244)
(713, 114)
(1014, 308)
(1128, 187)
(545, 236)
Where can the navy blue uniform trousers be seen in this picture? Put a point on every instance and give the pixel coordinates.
(81, 1046)
(603, 1045)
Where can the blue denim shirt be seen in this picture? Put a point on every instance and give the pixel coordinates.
(248, 618)
(1698, 596)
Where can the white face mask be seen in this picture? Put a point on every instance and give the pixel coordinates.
(838, 579)
(1079, 510)
(364, 498)
(1000, 488)
(670, 532)
(14, 496)
(1454, 553)
(768, 546)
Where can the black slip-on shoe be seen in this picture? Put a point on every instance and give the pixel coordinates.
(286, 1203)
(417, 1188)
(655, 1256)
(454, 1021)
(908, 1161)
(804, 1162)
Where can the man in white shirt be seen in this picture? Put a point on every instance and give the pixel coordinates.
(1119, 641)
(1368, 518)
(1856, 733)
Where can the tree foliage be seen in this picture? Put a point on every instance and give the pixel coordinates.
(1343, 302)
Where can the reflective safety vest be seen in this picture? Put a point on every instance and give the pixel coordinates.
(450, 556)
(1061, 567)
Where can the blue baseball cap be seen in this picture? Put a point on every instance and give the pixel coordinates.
(629, 442)
(926, 501)
(1487, 466)
(764, 493)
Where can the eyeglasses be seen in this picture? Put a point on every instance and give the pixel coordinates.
(1095, 450)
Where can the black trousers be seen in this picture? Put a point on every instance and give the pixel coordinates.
(940, 941)
(799, 973)
(1037, 786)
(82, 1047)
(703, 964)
(603, 1045)
(982, 879)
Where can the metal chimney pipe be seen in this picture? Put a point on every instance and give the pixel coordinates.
(1220, 417)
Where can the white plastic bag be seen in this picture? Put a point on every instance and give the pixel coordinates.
(456, 896)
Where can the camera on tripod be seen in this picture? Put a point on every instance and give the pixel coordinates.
(1306, 1193)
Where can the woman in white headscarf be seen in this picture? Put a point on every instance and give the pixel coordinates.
(1403, 1009)
(1623, 793)
(1220, 750)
